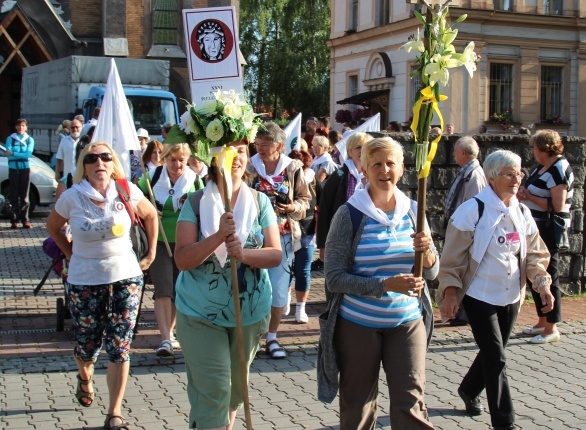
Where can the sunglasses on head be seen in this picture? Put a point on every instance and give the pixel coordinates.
(92, 158)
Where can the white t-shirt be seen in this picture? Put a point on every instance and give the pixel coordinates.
(99, 256)
(66, 152)
(498, 278)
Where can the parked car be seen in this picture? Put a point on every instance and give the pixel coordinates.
(43, 183)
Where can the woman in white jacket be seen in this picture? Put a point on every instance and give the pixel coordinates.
(494, 247)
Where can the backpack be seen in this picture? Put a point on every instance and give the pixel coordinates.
(138, 234)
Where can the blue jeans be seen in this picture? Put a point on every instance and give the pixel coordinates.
(302, 268)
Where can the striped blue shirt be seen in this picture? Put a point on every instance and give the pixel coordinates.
(383, 253)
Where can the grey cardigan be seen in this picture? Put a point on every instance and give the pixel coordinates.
(340, 252)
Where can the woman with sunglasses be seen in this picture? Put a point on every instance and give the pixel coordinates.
(104, 278)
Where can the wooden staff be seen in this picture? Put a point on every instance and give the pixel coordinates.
(237, 312)
(422, 183)
(152, 199)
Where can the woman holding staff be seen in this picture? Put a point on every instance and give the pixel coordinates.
(205, 303)
(226, 309)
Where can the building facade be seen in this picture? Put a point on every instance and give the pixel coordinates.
(532, 62)
(37, 31)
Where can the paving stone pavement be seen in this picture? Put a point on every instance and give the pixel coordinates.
(37, 373)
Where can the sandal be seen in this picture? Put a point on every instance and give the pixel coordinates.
(123, 426)
(276, 351)
(81, 394)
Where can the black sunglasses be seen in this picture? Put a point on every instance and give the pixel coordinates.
(92, 158)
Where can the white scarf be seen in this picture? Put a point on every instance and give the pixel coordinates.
(162, 189)
(150, 166)
(212, 208)
(259, 166)
(21, 140)
(325, 157)
(204, 170)
(354, 171)
(362, 201)
(466, 219)
(85, 188)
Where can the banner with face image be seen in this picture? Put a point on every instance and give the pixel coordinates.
(213, 55)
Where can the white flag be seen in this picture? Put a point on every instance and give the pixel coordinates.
(115, 124)
(371, 124)
(293, 132)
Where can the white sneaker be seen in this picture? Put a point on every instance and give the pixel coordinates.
(174, 342)
(287, 308)
(301, 318)
(552, 337)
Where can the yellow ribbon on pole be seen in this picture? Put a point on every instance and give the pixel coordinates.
(428, 97)
(224, 156)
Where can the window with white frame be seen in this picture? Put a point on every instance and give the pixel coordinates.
(165, 17)
(506, 5)
(352, 88)
(553, 7)
(501, 88)
(415, 84)
(353, 18)
(552, 105)
(415, 7)
(382, 12)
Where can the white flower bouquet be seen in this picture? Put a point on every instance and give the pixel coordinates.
(436, 55)
(225, 119)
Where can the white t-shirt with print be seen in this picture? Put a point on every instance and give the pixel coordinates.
(99, 256)
(66, 152)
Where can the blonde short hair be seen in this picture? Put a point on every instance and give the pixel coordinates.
(355, 139)
(381, 144)
(117, 172)
(321, 142)
(171, 148)
(303, 144)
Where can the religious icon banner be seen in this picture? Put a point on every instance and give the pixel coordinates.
(211, 36)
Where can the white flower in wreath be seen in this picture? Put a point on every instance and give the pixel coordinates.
(232, 110)
(215, 130)
(187, 123)
(225, 96)
(252, 133)
(208, 109)
(247, 118)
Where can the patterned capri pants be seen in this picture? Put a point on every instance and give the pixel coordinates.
(104, 313)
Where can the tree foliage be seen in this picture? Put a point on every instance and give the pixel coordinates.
(284, 44)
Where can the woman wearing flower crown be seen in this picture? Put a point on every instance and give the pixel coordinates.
(206, 321)
(282, 180)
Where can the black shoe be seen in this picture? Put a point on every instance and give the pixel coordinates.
(317, 265)
(507, 427)
(473, 405)
(457, 322)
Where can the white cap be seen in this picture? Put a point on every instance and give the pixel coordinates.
(141, 132)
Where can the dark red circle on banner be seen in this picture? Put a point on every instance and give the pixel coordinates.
(211, 24)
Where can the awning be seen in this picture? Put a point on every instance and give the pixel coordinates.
(364, 98)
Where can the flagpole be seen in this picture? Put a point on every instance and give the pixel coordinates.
(237, 311)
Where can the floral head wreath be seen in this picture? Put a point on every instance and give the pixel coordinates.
(226, 119)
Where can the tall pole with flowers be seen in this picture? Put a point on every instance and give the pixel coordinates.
(209, 130)
(437, 55)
